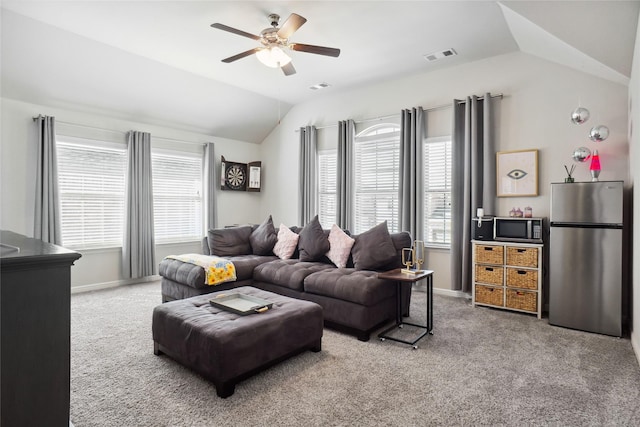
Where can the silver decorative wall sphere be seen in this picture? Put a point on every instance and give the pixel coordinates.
(599, 133)
(580, 115)
(581, 154)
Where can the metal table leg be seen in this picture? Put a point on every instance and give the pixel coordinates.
(428, 328)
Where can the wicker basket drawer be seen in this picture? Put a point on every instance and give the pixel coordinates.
(521, 278)
(489, 274)
(487, 254)
(490, 295)
(522, 300)
(525, 257)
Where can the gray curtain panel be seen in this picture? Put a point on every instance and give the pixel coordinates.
(344, 180)
(210, 187)
(412, 131)
(308, 188)
(473, 179)
(138, 249)
(47, 207)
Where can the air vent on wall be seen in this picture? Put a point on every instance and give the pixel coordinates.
(439, 55)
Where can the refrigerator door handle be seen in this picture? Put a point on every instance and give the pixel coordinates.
(584, 225)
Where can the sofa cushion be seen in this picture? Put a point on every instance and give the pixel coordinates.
(230, 241)
(400, 240)
(286, 244)
(245, 264)
(373, 249)
(289, 273)
(263, 238)
(340, 245)
(358, 286)
(313, 243)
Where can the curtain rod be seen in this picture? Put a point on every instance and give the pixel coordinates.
(122, 133)
(390, 116)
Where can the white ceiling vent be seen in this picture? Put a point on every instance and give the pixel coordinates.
(319, 86)
(439, 55)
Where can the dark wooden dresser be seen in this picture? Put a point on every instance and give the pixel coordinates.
(35, 319)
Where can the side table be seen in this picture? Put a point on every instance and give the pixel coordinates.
(399, 277)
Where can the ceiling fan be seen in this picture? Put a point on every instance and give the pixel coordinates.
(275, 41)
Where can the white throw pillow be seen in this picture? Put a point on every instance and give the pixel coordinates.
(340, 246)
(287, 242)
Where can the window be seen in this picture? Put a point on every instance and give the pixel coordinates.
(377, 175)
(177, 196)
(437, 191)
(91, 177)
(327, 172)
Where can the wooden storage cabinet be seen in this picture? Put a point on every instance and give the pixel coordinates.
(508, 276)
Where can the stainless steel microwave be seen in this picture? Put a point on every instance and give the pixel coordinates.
(524, 230)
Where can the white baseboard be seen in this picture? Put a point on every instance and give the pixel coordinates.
(114, 284)
(452, 293)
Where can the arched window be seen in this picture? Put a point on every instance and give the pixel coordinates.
(376, 177)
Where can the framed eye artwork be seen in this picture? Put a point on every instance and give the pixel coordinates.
(517, 173)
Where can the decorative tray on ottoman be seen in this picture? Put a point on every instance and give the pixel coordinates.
(241, 304)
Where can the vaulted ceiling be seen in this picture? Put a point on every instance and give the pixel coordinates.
(160, 62)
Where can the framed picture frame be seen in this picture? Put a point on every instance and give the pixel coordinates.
(517, 173)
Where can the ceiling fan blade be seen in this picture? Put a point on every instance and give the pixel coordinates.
(235, 31)
(291, 25)
(288, 69)
(320, 50)
(241, 55)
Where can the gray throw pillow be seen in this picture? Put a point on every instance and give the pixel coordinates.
(313, 243)
(373, 249)
(230, 241)
(264, 238)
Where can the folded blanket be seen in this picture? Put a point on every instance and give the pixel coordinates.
(218, 270)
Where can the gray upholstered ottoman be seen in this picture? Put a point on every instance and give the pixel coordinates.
(226, 347)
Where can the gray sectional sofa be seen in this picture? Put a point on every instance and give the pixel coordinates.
(353, 299)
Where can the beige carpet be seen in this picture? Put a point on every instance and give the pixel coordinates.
(482, 367)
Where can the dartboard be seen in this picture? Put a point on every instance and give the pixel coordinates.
(236, 176)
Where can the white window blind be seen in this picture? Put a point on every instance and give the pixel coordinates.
(91, 177)
(437, 191)
(327, 170)
(177, 196)
(377, 174)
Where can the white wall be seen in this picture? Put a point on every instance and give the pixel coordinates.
(17, 178)
(539, 97)
(634, 166)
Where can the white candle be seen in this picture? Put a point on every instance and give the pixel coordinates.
(480, 212)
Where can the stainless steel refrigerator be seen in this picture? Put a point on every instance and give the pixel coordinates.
(585, 253)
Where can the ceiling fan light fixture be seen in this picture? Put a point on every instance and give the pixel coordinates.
(273, 56)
